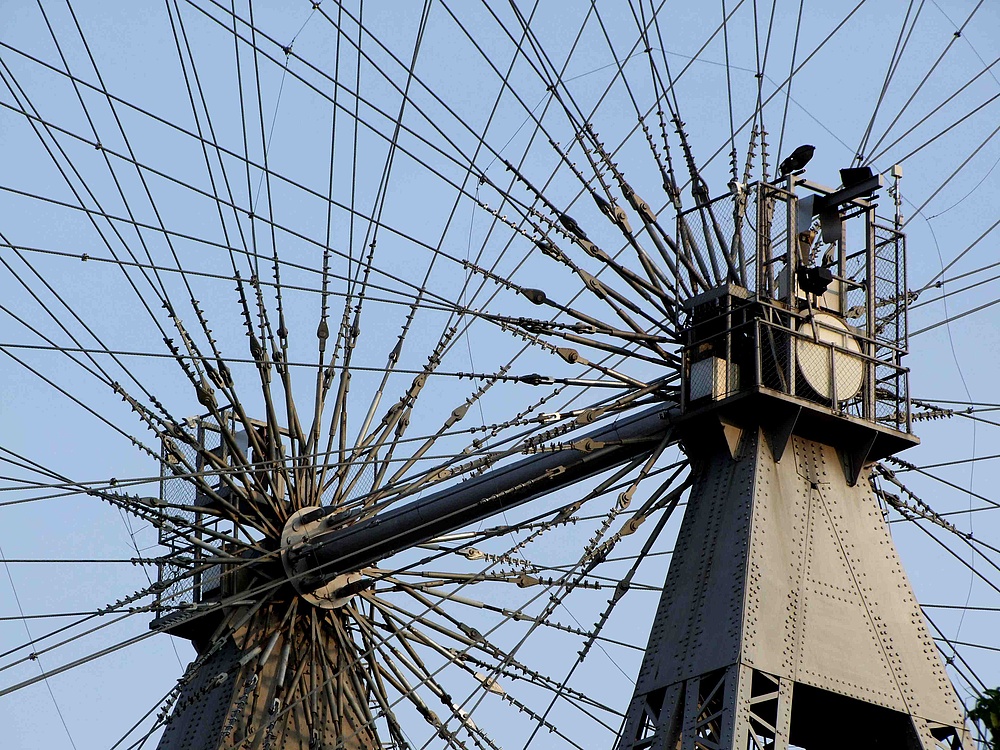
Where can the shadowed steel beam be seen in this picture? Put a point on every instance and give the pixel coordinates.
(340, 550)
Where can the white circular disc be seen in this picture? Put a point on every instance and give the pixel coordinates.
(814, 357)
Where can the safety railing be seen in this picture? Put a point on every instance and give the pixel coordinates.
(815, 357)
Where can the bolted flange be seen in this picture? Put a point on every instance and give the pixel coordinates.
(300, 527)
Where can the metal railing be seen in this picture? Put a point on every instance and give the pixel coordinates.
(185, 574)
(792, 353)
(762, 324)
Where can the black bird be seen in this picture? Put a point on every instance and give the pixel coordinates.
(796, 160)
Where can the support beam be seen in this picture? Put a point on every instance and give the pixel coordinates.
(352, 547)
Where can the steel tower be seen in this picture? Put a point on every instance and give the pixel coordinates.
(786, 618)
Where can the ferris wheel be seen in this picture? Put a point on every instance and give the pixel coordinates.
(500, 375)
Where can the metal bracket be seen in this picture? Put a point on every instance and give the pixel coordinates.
(733, 434)
(779, 426)
(854, 457)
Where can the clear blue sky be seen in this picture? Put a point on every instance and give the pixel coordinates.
(840, 80)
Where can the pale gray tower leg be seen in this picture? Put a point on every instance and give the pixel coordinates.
(786, 618)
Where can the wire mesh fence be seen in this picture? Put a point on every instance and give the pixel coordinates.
(740, 238)
(819, 359)
(183, 573)
(839, 345)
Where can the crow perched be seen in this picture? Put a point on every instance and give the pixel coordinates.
(796, 160)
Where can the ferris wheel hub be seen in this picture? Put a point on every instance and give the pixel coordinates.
(300, 527)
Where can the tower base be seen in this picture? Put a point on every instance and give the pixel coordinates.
(786, 618)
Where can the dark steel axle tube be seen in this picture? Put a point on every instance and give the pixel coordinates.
(347, 549)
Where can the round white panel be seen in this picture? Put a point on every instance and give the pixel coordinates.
(814, 357)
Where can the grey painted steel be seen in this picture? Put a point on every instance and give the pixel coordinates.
(783, 571)
(230, 699)
(341, 550)
(210, 714)
(200, 711)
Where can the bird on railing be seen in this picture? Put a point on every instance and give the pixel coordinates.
(796, 160)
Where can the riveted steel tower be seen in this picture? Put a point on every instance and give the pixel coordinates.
(786, 618)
